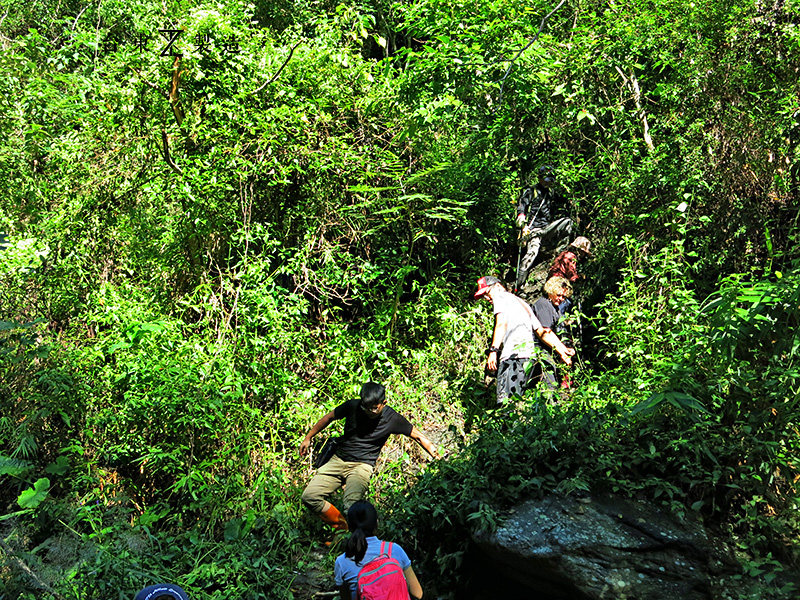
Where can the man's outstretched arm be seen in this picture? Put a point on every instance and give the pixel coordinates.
(417, 436)
(318, 426)
(551, 339)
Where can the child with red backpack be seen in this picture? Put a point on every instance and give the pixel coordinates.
(371, 569)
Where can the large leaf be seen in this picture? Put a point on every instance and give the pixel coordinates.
(33, 497)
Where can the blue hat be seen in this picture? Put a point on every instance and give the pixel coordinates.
(160, 591)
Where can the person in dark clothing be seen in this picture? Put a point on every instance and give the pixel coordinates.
(368, 423)
(538, 220)
(556, 290)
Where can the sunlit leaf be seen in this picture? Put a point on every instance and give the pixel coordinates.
(31, 498)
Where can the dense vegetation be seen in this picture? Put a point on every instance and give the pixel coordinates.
(213, 242)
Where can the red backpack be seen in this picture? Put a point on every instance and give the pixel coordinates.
(382, 578)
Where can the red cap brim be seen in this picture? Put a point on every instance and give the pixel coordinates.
(482, 291)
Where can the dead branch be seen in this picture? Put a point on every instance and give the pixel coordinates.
(72, 30)
(150, 83)
(167, 156)
(27, 570)
(518, 54)
(278, 72)
(633, 86)
(173, 92)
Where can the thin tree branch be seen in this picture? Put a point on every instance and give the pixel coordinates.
(83, 10)
(274, 77)
(633, 85)
(1, 24)
(173, 92)
(97, 31)
(150, 83)
(528, 45)
(167, 157)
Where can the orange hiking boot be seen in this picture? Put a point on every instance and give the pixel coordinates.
(334, 518)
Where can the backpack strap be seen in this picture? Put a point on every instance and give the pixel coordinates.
(542, 197)
(383, 550)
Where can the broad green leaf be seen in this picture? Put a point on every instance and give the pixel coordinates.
(33, 497)
(60, 467)
(687, 402)
(649, 404)
(118, 346)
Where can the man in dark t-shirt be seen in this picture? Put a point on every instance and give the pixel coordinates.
(368, 423)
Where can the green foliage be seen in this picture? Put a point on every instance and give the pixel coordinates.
(209, 252)
(651, 320)
(698, 414)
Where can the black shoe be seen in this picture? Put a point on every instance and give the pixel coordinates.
(521, 277)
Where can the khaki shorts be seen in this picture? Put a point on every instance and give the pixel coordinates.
(336, 473)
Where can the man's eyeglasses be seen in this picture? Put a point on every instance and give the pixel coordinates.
(374, 409)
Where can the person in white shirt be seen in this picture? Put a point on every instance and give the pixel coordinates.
(512, 340)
